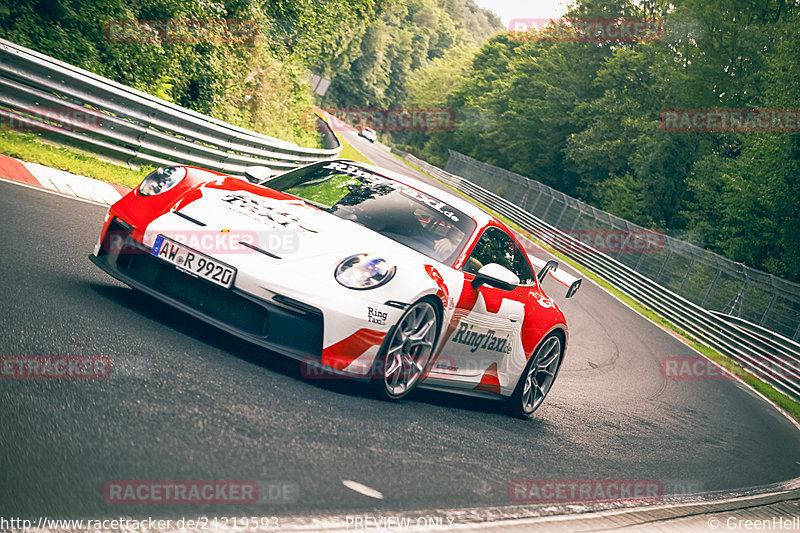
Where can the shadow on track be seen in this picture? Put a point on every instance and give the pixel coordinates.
(185, 324)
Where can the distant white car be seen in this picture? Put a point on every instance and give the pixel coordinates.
(369, 134)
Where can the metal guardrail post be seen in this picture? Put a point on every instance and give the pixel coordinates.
(711, 288)
(769, 308)
(561, 215)
(688, 273)
(663, 265)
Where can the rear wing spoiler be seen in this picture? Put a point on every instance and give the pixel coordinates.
(551, 267)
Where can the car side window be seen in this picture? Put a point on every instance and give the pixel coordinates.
(497, 246)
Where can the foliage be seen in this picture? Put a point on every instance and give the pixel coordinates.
(259, 83)
(374, 69)
(585, 117)
(370, 48)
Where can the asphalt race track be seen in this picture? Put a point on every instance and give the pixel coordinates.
(187, 402)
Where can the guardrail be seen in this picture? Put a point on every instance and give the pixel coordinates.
(701, 276)
(772, 357)
(130, 126)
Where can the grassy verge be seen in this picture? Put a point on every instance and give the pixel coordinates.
(28, 147)
(786, 403)
(349, 152)
(415, 167)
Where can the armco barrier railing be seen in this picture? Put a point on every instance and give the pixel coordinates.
(772, 357)
(703, 277)
(76, 107)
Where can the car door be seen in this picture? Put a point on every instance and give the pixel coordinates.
(486, 330)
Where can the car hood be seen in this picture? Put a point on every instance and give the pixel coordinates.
(280, 225)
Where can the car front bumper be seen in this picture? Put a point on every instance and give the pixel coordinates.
(275, 321)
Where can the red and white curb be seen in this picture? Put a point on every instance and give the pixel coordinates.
(60, 182)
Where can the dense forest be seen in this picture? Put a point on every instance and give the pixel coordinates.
(374, 70)
(581, 116)
(585, 118)
(368, 47)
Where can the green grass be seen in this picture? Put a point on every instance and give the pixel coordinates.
(349, 152)
(28, 147)
(786, 403)
(415, 167)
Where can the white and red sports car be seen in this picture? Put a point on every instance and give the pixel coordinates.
(355, 270)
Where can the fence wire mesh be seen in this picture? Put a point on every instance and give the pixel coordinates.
(702, 277)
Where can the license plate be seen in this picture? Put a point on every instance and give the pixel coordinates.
(193, 262)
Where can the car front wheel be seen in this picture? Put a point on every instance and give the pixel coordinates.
(406, 351)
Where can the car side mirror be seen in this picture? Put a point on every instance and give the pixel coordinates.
(496, 275)
(258, 174)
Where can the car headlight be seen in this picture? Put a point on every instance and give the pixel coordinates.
(161, 180)
(364, 271)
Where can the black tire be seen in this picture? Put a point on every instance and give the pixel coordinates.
(542, 370)
(406, 351)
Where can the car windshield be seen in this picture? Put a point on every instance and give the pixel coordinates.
(397, 211)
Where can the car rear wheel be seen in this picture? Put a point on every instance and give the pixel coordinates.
(538, 377)
(406, 351)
